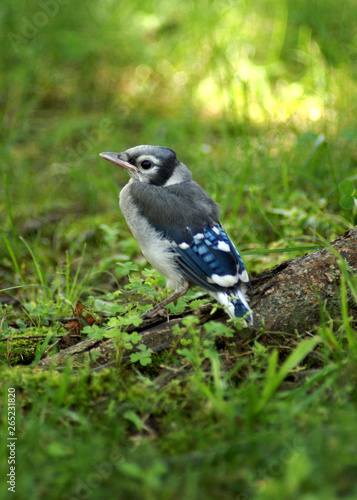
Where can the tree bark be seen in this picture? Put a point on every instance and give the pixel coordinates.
(292, 295)
(289, 298)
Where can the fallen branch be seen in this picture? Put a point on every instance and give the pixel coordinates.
(288, 298)
(292, 295)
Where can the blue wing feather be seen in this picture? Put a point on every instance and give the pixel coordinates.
(208, 258)
(200, 255)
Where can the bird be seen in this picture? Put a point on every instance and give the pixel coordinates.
(176, 225)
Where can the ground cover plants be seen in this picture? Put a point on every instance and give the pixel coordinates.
(259, 99)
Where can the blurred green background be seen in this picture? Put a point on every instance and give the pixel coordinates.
(240, 90)
(259, 99)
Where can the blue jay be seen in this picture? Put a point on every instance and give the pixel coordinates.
(176, 225)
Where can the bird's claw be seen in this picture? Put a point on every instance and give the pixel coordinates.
(155, 311)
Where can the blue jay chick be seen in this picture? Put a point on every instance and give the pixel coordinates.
(176, 225)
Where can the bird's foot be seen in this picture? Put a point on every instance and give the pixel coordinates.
(159, 309)
(155, 311)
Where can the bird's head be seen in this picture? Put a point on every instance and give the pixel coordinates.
(151, 164)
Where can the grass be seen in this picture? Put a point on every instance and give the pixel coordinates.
(259, 99)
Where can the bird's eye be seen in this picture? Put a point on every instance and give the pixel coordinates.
(146, 164)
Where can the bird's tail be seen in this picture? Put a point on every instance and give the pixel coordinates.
(236, 304)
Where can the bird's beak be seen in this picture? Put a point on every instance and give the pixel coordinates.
(115, 158)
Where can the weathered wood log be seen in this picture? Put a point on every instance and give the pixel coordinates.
(287, 298)
(291, 295)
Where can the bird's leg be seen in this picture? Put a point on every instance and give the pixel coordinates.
(159, 310)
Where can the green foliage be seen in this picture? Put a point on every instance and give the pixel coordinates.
(123, 340)
(275, 376)
(347, 189)
(143, 355)
(259, 99)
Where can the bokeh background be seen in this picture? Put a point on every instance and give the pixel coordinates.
(258, 98)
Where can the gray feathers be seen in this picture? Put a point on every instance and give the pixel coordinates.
(177, 205)
(160, 153)
(156, 165)
(177, 227)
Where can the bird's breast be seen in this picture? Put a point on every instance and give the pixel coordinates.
(156, 249)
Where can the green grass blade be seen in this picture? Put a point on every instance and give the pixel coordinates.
(41, 349)
(19, 286)
(12, 256)
(39, 272)
(283, 250)
(275, 377)
(10, 213)
(350, 333)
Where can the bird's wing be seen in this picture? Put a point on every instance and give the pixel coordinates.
(208, 258)
(185, 215)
